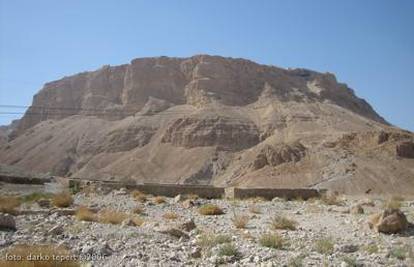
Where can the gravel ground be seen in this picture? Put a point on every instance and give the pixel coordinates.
(354, 244)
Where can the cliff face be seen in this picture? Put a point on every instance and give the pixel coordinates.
(117, 92)
(207, 119)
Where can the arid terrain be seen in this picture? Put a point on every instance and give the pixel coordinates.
(211, 120)
(100, 227)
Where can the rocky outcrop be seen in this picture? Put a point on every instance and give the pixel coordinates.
(114, 92)
(390, 221)
(279, 154)
(405, 149)
(225, 132)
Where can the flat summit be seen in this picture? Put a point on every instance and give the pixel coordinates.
(211, 120)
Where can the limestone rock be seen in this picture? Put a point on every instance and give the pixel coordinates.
(231, 121)
(390, 221)
(7, 222)
(405, 149)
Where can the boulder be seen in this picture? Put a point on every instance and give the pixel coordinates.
(7, 222)
(390, 221)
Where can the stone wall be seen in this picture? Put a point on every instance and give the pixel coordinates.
(270, 193)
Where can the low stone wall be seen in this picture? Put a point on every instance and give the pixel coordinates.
(270, 193)
(23, 180)
(171, 190)
(204, 191)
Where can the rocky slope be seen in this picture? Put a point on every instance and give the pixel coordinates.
(212, 120)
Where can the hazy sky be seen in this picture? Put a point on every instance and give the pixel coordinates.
(368, 44)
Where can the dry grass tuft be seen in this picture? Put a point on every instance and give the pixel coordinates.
(331, 199)
(9, 204)
(139, 196)
(211, 240)
(170, 216)
(138, 210)
(210, 209)
(283, 223)
(85, 214)
(137, 221)
(324, 246)
(25, 251)
(229, 250)
(272, 241)
(159, 200)
(62, 200)
(240, 221)
(393, 203)
(112, 217)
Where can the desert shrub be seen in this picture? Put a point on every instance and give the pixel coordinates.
(159, 200)
(228, 249)
(62, 200)
(324, 246)
(137, 193)
(296, 261)
(331, 199)
(371, 248)
(272, 240)
(112, 217)
(170, 216)
(85, 214)
(36, 196)
(392, 203)
(281, 222)
(350, 261)
(255, 209)
(210, 209)
(137, 221)
(24, 251)
(138, 210)
(400, 253)
(9, 204)
(240, 221)
(139, 196)
(211, 240)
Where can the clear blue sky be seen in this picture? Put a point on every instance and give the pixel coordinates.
(368, 44)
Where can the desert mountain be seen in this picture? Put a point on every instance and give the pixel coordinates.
(212, 120)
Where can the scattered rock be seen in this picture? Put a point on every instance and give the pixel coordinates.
(178, 198)
(7, 222)
(349, 248)
(390, 221)
(56, 230)
(173, 232)
(188, 203)
(127, 222)
(357, 209)
(44, 203)
(188, 225)
(196, 252)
